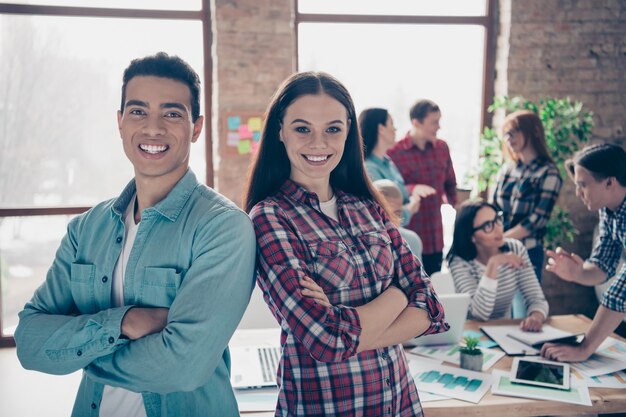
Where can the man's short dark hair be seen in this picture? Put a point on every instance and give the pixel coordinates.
(421, 108)
(166, 66)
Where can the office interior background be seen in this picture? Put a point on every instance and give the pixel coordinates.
(61, 64)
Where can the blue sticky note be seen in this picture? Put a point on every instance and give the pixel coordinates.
(234, 122)
(256, 136)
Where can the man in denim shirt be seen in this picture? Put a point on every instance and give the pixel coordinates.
(147, 289)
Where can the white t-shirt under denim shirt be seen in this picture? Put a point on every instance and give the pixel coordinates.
(120, 402)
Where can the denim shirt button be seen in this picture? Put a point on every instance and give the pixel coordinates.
(93, 406)
(79, 353)
(111, 340)
(105, 278)
(119, 239)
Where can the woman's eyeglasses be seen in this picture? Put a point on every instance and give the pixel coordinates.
(489, 225)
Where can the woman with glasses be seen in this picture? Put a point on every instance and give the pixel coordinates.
(491, 268)
(527, 188)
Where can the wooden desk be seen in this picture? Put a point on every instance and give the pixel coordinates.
(604, 400)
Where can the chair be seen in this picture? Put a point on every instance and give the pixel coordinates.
(442, 282)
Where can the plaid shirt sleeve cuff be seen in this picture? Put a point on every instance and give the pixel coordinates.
(431, 304)
(606, 267)
(348, 321)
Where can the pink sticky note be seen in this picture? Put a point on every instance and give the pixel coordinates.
(244, 132)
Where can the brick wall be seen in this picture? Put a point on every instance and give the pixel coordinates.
(577, 49)
(253, 53)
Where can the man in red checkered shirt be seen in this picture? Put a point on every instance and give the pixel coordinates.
(424, 162)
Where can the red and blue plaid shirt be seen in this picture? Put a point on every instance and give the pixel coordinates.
(431, 166)
(354, 259)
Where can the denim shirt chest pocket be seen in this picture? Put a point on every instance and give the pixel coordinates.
(159, 286)
(82, 283)
(380, 255)
(333, 266)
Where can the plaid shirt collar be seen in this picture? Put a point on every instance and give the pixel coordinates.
(298, 194)
(620, 213)
(407, 143)
(534, 164)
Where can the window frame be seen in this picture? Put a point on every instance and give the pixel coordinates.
(203, 15)
(488, 21)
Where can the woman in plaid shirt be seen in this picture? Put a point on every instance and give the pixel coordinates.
(599, 172)
(335, 272)
(527, 188)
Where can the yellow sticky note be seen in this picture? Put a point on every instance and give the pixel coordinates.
(254, 123)
(244, 147)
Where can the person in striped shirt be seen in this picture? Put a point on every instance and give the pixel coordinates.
(318, 220)
(599, 172)
(491, 268)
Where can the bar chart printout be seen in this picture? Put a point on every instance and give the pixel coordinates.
(451, 382)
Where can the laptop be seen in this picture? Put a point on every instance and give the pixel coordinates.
(254, 366)
(455, 307)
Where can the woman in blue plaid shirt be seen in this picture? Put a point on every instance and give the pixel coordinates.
(527, 188)
(599, 172)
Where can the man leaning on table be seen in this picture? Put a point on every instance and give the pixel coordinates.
(599, 172)
(146, 289)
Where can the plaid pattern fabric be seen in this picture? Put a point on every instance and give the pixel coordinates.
(607, 253)
(433, 167)
(354, 260)
(526, 194)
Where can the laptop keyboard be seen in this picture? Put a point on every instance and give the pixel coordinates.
(269, 358)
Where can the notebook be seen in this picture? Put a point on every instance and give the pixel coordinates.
(455, 307)
(254, 366)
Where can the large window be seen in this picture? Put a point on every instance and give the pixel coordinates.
(391, 53)
(60, 150)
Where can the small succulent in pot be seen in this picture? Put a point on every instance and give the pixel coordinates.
(471, 355)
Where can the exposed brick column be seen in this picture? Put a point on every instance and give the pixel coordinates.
(253, 53)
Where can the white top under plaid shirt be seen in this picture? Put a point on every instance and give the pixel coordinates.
(526, 194)
(607, 253)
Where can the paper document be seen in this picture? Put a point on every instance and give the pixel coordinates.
(613, 380)
(450, 382)
(613, 348)
(600, 364)
(536, 339)
(502, 385)
(426, 397)
(512, 347)
(450, 353)
(483, 339)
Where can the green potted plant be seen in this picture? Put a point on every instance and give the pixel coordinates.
(567, 128)
(471, 355)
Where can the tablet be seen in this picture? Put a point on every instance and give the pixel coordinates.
(535, 371)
